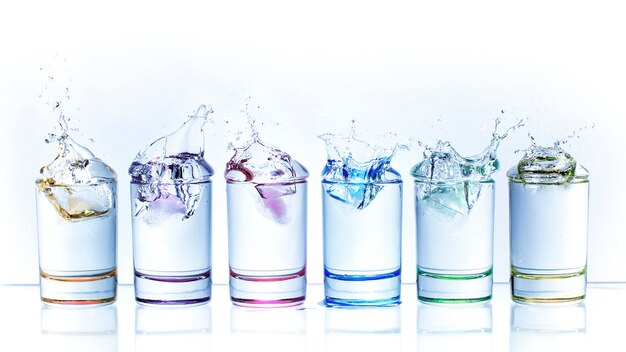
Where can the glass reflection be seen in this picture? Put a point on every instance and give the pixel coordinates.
(79, 329)
(448, 328)
(255, 329)
(548, 328)
(365, 329)
(173, 328)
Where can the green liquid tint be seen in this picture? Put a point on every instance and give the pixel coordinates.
(454, 206)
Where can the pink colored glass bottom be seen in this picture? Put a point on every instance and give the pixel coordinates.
(269, 291)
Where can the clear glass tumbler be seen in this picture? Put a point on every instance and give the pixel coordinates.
(454, 241)
(362, 242)
(172, 242)
(77, 227)
(548, 228)
(267, 242)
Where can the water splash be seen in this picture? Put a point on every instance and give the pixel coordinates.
(454, 180)
(272, 171)
(261, 163)
(547, 165)
(355, 169)
(168, 170)
(55, 92)
(76, 181)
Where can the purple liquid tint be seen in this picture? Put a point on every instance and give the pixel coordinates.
(267, 226)
(173, 302)
(206, 275)
(171, 191)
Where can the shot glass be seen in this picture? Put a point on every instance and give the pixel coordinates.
(548, 228)
(77, 232)
(363, 243)
(171, 245)
(454, 241)
(267, 242)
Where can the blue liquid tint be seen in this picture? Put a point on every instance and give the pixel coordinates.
(362, 201)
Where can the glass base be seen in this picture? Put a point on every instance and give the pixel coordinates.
(362, 290)
(566, 288)
(79, 290)
(272, 291)
(159, 290)
(437, 288)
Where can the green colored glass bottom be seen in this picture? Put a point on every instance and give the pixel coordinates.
(438, 288)
(454, 300)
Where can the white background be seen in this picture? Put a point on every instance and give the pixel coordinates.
(426, 70)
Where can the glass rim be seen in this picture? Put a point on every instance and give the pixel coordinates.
(99, 181)
(173, 182)
(381, 182)
(425, 180)
(256, 183)
(578, 179)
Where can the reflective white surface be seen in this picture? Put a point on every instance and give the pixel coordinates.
(596, 325)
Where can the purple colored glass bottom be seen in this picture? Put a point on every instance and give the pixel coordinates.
(161, 290)
(190, 278)
(285, 290)
(173, 302)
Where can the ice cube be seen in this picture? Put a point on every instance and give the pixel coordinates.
(80, 202)
(359, 195)
(273, 174)
(155, 201)
(454, 181)
(458, 197)
(356, 169)
(165, 170)
(270, 191)
(161, 209)
(260, 163)
(276, 209)
(472, 192)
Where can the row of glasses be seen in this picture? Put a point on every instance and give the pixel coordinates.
(362, 249)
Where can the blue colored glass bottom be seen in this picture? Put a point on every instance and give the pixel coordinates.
(334, 302)
(380, 290)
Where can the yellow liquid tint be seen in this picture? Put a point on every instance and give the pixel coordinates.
(76, 208)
